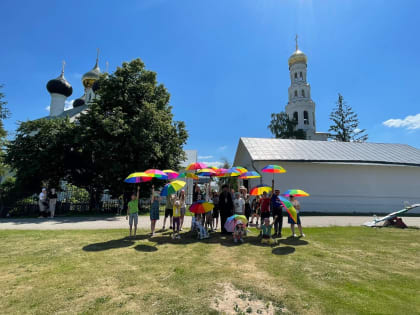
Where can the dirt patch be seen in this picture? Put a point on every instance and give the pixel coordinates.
(234, 301)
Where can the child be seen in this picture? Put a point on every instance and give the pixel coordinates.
(196, 225)
(239, 232)
(154, 210)
(296, 204)
(133, 211)
(176, 215)
(266, 232)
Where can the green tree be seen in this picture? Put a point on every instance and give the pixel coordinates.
(345, 125)
(42, 153)
(281, 126)
(4, 114)
(128, 128)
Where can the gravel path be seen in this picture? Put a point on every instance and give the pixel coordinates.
(91, 223)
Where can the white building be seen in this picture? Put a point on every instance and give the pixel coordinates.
(340, 176)
(300, 107)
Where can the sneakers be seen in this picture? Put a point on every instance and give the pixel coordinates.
(294, 235)
(302, 235)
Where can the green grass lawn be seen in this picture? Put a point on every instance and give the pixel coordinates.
(343, 270)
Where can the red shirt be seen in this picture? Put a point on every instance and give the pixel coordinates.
(265, 204)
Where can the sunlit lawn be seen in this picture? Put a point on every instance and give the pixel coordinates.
(351, 270)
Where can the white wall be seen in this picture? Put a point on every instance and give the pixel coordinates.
(344, 187)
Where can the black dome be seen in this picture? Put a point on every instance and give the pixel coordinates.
(78, 102)
(60, 86)
(95, 86)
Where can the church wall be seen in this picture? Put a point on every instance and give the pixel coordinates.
(346, 188)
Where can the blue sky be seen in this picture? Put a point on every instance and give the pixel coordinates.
(224, 62)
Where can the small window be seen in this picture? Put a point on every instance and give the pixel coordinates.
(305, 118)
(313, 118)
(295, 75)
(296, 94)
(295, 117)
(303, 93)
(300, 75)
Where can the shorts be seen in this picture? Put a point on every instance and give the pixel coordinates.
(290, 220)
(183, 212)
(168, 213)
(133, 217)
(176, 223)
(265, 215)
(216, 213)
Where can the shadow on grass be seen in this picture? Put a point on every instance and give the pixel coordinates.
(113, 244)
(283, 250)
(293, 241)
(145, 248)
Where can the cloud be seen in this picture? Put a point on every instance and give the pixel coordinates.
(222, 148)
(47, 108)
(410, 122)
(357, 130)
(205, 157)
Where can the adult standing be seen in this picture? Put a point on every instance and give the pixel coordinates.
(265, 207)
(276, 210)
(52, 196)
(183, 207)
(216, 211)
(246, 198)
(169, 210)
(239, 204)
(295, 204)
(225, 206)
(42, 202)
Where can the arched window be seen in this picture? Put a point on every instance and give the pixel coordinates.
(303, 93)
(305, 118)
(300, 75)
(313, 118)
(295, 117)
(295, 75)
(296, 93)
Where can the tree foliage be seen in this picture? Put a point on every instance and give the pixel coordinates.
(345, 125)
(128, 128)
(281, 126)
(4, 114)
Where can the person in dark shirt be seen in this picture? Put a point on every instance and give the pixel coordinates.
(276, 211)
(225, 207)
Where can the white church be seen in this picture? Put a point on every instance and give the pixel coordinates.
(60, 89)
(341, 177)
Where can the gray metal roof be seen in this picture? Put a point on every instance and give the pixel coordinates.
(69, 113)
(266, 149)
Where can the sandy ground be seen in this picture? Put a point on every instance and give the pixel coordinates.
(91, 223)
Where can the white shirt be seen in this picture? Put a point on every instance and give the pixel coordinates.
(239, 205)
(42, 196)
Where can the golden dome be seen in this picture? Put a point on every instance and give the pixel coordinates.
(297, 57)
(91, 76)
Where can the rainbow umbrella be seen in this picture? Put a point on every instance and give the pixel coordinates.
(171, 174)
(231, 222)
(201, 206)
(289, 207)
(214, 168)
(172, 187)
(206, 172)
(221, 171)
(188, 175)
(138, 177)
(196, 166)
(156, 174)
(259, 190)
(240, 169)
(296, 193)
(231, 172)
(248, 175)
(275, 169)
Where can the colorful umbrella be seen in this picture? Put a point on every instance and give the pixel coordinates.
(156, 174)
(229, 173)
(249, 175)
(240, 169)
(220, 172)
(214, 168)
(295, 193)
(172, 187)
(259, 190)
(289, 207)
(171, 174)
(188, 175)
(196, 166)
(231, 222)
(138, 177)
(275, 169)
(206, 172)
(201, 206)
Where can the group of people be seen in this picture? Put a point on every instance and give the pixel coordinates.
(47, 201)
(226, 204)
